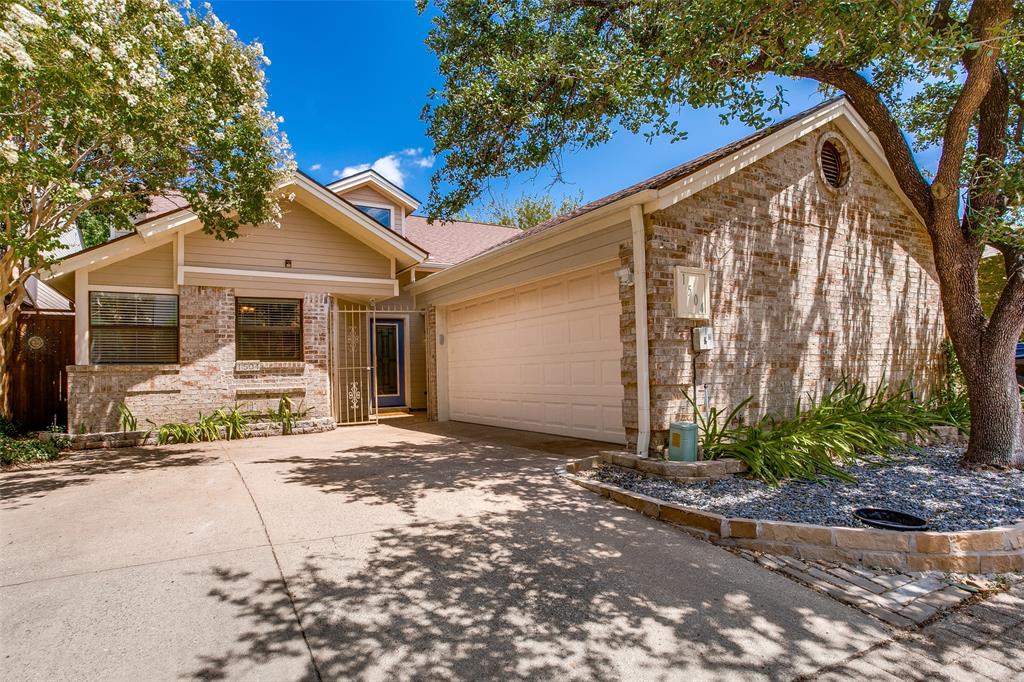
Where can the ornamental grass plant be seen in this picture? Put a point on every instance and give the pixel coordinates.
(849, 424)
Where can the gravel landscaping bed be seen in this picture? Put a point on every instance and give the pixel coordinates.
(928, 483)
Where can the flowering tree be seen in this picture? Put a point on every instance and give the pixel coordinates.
(105, 103)
(525, 79)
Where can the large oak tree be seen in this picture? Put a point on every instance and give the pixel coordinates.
(526, 79)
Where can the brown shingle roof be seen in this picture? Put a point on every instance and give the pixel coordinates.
(671, 175)
(455, 241)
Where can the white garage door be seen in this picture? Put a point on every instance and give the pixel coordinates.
(541, 357)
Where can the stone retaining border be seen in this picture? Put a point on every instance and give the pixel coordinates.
(131, 439)
(996, 550)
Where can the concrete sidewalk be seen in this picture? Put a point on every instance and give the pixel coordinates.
(380, 552)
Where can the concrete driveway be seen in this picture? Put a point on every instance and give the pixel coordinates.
(396, 551)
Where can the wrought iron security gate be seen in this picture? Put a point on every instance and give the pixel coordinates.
(352, 361)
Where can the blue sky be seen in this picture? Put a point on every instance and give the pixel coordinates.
(351, 78)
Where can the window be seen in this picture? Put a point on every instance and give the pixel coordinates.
(268, 329)
(129, 328)
(381, 215)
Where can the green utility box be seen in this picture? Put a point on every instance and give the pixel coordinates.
(682, 442)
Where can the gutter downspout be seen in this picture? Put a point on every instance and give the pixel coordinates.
(643, 375)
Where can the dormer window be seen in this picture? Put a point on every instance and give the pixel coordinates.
(379, 213)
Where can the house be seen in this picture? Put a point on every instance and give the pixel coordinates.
(794, 247)
(174, 322)
(791, 252)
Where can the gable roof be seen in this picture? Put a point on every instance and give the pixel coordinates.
(666, 178)
(682, 181)
(379, 183)
(307, 190)
(455, 241)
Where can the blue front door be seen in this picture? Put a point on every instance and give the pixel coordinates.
(389, 345)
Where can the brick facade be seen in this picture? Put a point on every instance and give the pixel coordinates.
(206, 378)
(430, 337)
(808, 285)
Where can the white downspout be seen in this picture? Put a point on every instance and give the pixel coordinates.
(643, 375)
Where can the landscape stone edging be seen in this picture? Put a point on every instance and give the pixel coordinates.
(993, 550)
(687, 472)
(131, 439)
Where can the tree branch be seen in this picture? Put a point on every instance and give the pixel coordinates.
(868, 103)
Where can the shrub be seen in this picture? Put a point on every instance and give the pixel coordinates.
(849, 424)
(234, 421)
(21, 451)
(128, 420)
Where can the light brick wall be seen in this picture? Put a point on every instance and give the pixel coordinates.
(807, 285)
(206, 378)
(430, 337)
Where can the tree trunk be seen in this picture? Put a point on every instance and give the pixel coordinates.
(985, 349)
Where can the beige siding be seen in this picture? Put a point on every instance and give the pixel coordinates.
(372, 196)
(587, 250)
(153, 268)
(311, 243)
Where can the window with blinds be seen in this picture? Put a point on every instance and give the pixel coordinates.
(127, 328)
(268, 329)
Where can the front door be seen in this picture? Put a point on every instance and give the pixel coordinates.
(389, 344)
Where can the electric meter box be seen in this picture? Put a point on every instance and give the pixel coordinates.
(703, 338)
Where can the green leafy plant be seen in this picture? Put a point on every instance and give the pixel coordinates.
(847, 425)
(208, 427)
(167, 434)
(288, 413)
(234, 421)
(26, 450)
(128, 420)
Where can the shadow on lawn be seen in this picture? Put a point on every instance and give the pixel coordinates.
(565, 586)
(21, 485)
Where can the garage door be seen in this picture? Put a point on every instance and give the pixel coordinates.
(541, 357)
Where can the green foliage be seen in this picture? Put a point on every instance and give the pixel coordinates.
(206, 428)
(287, 414)
(170, 433)
(526, 211)
(128, 420)
(234, 422)
(105, 104)
(849, 424)
(7, 427)
(524, 80)
(26, 450)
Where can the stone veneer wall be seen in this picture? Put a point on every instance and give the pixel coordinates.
(808, 285)
(430, 335)
(206, 378)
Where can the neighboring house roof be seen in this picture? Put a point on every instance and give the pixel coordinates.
(455, 241)
(42, 296)
(70, 242)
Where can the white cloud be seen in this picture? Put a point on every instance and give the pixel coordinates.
(393, 166)
(315, 167)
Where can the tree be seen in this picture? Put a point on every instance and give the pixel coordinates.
(104, 104)
(526, 79)
(526, 211)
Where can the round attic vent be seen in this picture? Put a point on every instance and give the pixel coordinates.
(833, 162)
